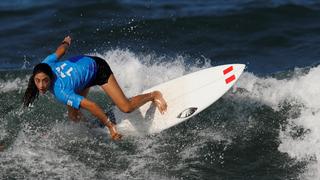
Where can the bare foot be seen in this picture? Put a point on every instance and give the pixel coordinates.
(159, 101)
(114, 133)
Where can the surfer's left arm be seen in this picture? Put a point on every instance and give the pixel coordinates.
(63, 47)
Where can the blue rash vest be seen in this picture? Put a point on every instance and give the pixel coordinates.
(71, 77)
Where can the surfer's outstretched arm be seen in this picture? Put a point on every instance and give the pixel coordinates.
(63, 47)
(128, 105)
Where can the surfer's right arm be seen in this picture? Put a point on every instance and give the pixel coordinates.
(63, 47)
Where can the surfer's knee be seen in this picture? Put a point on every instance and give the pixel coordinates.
(127, 108)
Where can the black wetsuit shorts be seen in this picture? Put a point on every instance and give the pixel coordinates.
(103, 72)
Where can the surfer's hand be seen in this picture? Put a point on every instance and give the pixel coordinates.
(159, 101)
(113, 132)
(76, 115)
(116, 137)
(67, 40)
(63, 47)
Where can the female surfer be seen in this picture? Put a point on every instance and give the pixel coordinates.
(70, 80)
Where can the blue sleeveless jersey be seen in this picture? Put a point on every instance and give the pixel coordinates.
(72, 76)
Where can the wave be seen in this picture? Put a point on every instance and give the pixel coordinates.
(297, 97)
(273, 117)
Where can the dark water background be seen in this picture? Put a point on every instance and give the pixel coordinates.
(266, 128)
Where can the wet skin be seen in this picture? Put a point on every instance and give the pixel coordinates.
(42, 82)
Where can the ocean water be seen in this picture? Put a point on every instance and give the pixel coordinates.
(267, 127)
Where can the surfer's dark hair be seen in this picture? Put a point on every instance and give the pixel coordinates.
(32, 91)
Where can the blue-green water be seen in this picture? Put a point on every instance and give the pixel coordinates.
(264, 128)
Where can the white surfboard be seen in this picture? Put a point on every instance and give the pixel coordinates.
(186, 96)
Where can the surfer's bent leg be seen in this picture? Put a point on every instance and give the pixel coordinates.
(126, 105)
(109, 84)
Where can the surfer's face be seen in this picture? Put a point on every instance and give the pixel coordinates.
(42, 82)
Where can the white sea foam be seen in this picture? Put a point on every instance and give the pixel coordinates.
(139, 164)
(36, 156)
(3, 131)
(13, 84)
(303, 89)
(136, 73)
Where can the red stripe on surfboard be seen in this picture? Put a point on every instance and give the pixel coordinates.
(230, 79)
(229, 69)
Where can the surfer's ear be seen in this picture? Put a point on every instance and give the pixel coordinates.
(31, 92)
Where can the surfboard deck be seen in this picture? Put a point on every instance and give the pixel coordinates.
(186, 96)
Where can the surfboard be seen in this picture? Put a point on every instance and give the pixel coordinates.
(186, 96)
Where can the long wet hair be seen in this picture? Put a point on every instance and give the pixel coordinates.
(32, 91)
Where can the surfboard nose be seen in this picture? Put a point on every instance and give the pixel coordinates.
(231, 72)
(241, 67)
